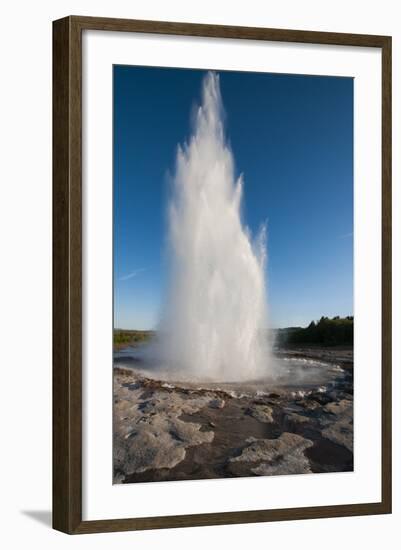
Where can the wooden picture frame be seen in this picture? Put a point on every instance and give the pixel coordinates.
(67, 274)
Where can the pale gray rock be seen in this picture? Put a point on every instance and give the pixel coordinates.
(338, 407)
(148, 433)
(263, 413)
(284, 455)
(338, 426)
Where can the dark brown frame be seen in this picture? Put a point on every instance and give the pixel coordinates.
(67, 274)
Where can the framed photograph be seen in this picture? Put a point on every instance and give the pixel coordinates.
(222, 274)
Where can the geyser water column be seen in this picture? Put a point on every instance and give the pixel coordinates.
(214, 324)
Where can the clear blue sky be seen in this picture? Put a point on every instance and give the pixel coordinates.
(292, 138)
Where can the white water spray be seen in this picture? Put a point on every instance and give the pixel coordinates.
(214, 324)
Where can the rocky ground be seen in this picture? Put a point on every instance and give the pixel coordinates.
(166, 431)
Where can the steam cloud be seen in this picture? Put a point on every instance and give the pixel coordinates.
(214, 323)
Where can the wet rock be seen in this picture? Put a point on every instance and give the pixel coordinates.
(322, 398)
(216, 403)
(294, 422)
(309, 405)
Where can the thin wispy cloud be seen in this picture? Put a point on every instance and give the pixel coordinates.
(132, 274)
(347, 235)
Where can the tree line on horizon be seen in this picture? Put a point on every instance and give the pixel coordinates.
(326, 331)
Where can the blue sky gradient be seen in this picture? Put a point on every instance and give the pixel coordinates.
(292, 138)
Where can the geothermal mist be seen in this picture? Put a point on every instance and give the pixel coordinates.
(214, 322)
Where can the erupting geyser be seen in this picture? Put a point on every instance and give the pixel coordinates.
(214, 323)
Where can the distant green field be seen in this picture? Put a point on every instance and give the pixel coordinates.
(327, 332)
(125, 337)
